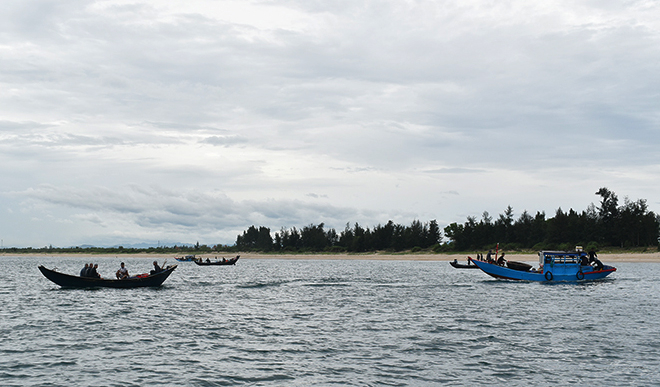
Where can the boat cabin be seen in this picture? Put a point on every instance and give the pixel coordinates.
(562, 260)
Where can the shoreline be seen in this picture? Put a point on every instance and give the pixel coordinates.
(604, 257)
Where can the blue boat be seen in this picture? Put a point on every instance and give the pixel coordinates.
(553, 266)
(187, 258)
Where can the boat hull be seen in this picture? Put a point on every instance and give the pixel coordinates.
(462, 265)
(231, 261)
(72, 281)
(570, 273)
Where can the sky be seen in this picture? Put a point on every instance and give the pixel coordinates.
(162, 122)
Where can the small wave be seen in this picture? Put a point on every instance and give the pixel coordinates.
(257, 285)
(327, 284)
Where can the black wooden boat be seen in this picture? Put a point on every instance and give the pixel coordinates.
(520, 266)
(139, 281)
(231, 261)
(457, 265)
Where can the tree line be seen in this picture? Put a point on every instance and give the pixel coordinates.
(626, 225)
(120, 250)
(315, 238)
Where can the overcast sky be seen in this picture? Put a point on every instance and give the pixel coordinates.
(181, 121)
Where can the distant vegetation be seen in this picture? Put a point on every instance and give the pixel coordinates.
(314, 238)
(174, 250)
(628, 225)
(610, 225)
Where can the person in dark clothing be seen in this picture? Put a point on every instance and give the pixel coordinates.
(92, 271)
(83, 271)
(501, 261)
(584, 261)
(157, 269)
(593, 259)
(599, 265)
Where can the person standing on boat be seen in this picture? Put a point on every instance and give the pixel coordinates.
(489, 256)
(122, 272)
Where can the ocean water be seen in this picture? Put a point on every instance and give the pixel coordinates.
(327, 322)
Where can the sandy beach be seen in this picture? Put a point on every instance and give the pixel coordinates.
(604, 257)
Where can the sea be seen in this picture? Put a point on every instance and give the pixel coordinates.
(295, 322)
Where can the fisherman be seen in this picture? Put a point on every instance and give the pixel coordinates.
(489, 256)
(157, 269)
(593, 259)
(592, 255)
(83, 271)
(122, 272)
(91, 272)
(584, 261)
(598, 265)
(501, 261)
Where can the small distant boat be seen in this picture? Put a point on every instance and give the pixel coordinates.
(139, 281)
(554, 266)
(208, 262)
(187, 258)
(469, 265)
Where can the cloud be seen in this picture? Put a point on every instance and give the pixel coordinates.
(224, 140)
(380, 109)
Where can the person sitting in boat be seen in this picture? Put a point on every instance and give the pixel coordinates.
(83, 271)
(92, 272)
(593, 259)
(208, 260)
(584, 261)
(501, 261)
(598, 265)
(157, 269)
(592, 256)
(122, 273)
